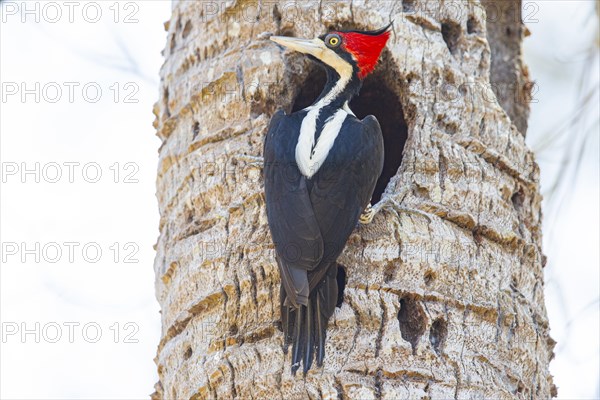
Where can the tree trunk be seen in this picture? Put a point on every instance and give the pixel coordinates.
(449, 305)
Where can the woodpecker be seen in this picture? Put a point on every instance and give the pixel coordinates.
(320, 169)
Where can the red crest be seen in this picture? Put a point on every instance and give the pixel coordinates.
(366, 47)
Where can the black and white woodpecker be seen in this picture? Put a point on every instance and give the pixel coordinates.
(320, 168)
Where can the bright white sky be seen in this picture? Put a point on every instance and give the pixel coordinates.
(109, 354)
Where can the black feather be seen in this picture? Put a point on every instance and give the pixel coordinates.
(308, 328)
(297, 341)
(375, 32)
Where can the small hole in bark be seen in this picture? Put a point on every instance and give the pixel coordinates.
(276, 15)
(195, 129)
(472, 25)
(451, 32)
(188, 215)
(408, 6)
(482, 127)
(411, 318)
(166, 101)
(389, 271)
(341, 282)
(437, 334)
(429, 277)
(188, 353)
(172, 44)
(517, 199)
(178, 24)
(379, 96)
(187, 29)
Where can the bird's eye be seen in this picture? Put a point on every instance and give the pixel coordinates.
(333, 40)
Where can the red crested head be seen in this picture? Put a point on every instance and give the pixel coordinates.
(346, 52)
(365, 47)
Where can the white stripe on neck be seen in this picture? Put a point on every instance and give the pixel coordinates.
(310, 159)
(310, 156)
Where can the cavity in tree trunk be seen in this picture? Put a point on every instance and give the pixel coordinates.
(448, 305)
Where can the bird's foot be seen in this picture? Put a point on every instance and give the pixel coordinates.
(367, 215)
(389, 203)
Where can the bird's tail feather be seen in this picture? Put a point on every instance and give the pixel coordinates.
(295, 284)
(305, 327)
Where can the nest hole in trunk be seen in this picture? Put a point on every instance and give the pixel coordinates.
(379, 96)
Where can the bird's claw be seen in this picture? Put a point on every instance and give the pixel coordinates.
(367, 215)
(392, 205)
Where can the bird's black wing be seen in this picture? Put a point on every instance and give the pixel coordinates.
(340, 191)
(292, 222)
(344, 185)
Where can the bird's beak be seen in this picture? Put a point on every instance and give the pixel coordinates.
(313, 47)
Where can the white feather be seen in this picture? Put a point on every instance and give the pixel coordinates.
(310, 156)
(310, 159)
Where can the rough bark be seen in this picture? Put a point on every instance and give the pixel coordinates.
(449, 306)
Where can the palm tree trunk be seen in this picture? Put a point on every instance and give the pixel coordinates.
(443, 303)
